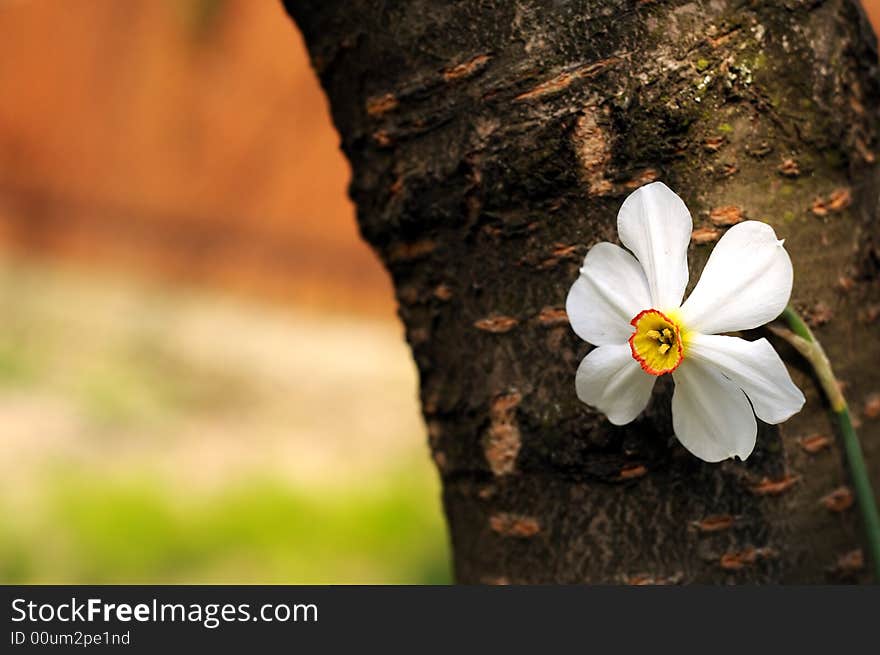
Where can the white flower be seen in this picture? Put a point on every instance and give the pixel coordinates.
(631, 308)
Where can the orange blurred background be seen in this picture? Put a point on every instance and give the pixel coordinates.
(185, 138)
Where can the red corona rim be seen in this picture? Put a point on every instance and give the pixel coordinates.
(641, 360)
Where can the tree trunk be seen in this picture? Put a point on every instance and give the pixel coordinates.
(492, 144)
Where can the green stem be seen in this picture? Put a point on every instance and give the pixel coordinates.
(862, 486)
(796, 323)
(802, 338)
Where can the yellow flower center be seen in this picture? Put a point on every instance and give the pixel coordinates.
(657, 343)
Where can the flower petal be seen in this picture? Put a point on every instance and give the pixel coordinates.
(656, 226)
(610, 380)
(746, 282)
(610, 291)
(756, 368)
(710, 414)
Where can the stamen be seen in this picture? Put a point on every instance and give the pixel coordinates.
(653, 334)
(667, 333)
(663, 348)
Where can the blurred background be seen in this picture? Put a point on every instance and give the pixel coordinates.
(202, 378)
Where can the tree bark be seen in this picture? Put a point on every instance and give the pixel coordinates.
(492, 144)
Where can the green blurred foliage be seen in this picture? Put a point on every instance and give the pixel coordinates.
(98, 386)
(88, 530)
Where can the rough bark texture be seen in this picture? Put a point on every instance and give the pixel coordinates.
(492, 143)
